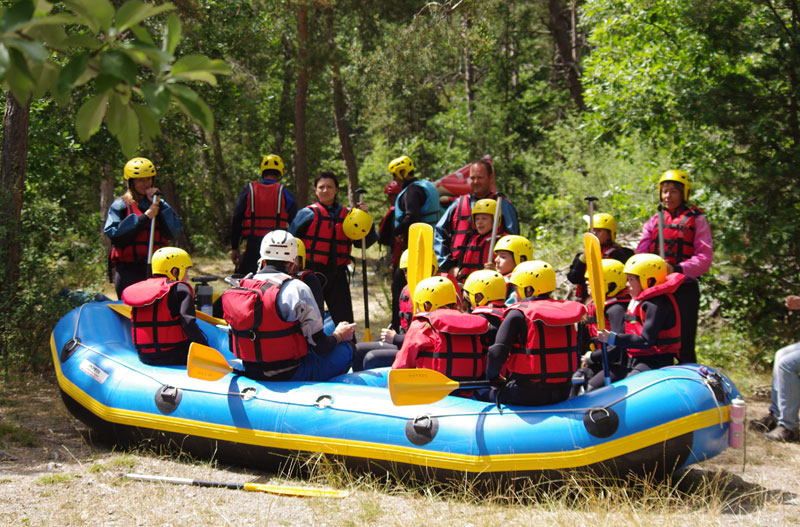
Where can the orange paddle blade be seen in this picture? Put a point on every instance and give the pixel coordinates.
(206, 363)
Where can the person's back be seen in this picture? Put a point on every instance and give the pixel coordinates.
(536, 344)
(163, 322)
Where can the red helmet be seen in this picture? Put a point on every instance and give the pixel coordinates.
(392, 188)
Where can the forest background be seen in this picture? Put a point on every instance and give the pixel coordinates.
(569, 97)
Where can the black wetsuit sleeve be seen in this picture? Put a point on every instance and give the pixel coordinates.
(621, 254)
(577, 271)
(660, 315)
(398, 339)
(616, 320)
(181, 304)
(513, 329)
(324, 343)
(313, 283)
(411, 203)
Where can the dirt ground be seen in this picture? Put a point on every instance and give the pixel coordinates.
(52, 473)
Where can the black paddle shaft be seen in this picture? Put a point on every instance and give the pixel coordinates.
(359, 193)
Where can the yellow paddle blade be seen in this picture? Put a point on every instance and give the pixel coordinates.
(283, 490)
(420, 256)
(367, 336)
(122, 309)
(597, 282)
(208, 318)
(419, 386)
(206, 363)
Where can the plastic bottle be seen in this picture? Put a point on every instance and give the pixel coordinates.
(736, 425)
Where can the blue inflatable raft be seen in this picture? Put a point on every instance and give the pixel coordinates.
(655, 421)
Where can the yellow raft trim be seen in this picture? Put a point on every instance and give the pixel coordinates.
(398, 454)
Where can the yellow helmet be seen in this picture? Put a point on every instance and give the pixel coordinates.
(677, 176)
(647, 266)
(401, 167)
(433, 293)
(490, 285)
(403, 263)
(272, 162)
(485, 206)
(613, 276)
(603, 220)
(139, 167)
(357, 223)
(301, 252)
(171, 262)
(519, 246)
(536, 274)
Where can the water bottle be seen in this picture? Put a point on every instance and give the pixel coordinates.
(736, 424)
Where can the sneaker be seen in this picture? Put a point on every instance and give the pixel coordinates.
(781, 433)
(765, 424)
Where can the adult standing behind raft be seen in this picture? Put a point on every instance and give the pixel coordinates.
(418, 201)
(454, 228)
(688, 249)
(129, 228)
(328, 242)
(262, 207)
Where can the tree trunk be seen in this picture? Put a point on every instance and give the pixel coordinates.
(469, 70)
(12, 182)
(285, 108)
(301, 96)
(106, 199)
(339, 112)
(220, 174)
(562, 32)
(211, 181)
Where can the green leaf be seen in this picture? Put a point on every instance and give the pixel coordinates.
(16, 15)
(134, 11)
(18, 77)
(123, 124)
(173, 35)
(70, 73)
(192, 105)
(33, 49)
(97, 14)
(105, 82)
(5, 61)
(142, 34)
(199, 68)
(157, 98)
(90, 116)
(63, 19)
(51, 36)
(83, 41)
(120, 65)
(46, 75)
(148, 122)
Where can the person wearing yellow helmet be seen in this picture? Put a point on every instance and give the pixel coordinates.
(653, 328)
(128, 224)
(441, 337)
(536, 343)
(163, 322)
(617, 298)
(484, 294)
(605, 228)
(688, 249)
(261, 207)
(510, 251)
(455, 226)
(311, 279)
(475, 254)
(327, 233)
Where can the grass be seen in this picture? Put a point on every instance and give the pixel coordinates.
(16, 434)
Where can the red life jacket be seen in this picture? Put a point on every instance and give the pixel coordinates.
(550, 353)
(265, 211)
(153, 327)
(668, 339)
(461, 226)
(136, 251)
(457, 350)
(324, 230)
(623, 297)
(258, 333)
(474, 255)
(406, 309)
(678, 235)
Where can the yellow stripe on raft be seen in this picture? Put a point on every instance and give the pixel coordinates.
(398, 454)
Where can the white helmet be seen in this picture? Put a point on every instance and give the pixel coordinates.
(278, 245)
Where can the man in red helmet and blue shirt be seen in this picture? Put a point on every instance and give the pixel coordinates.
(262, 207)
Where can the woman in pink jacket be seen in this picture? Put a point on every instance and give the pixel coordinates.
(688, 249)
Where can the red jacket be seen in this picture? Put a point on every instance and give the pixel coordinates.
(669, 339)
(265, 210)
(137, 250)
(153, 328)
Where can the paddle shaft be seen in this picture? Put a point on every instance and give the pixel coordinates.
(661, 251)
(280, 490)
(367, 335)
(590, 200)
(152, 235)
(495, 224)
